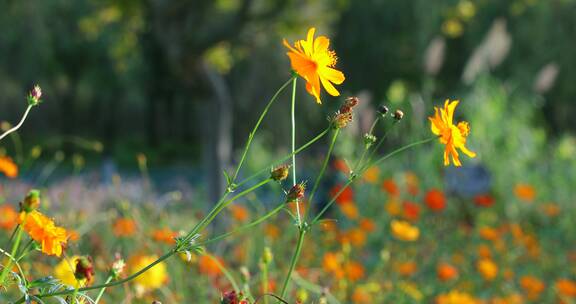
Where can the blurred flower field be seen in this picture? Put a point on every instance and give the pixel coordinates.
(423, 206)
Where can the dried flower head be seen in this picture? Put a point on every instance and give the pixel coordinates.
(398, 115)
(84, 268)
(280, 173)
(296, 193)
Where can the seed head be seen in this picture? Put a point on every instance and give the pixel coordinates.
(280, 173)
(383, 110)
(296, 193)
(398, 115)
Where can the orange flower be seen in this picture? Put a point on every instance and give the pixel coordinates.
(367, 225)
(407, 268)
(489, 234)
(525, 192)
(332, 263)
(412, 183)
(314, 62)
(239, 213)
(551, 209)
(390, 187)
(8, 217)
(566, 288)
(8, 167)
(43, 230)
(361, 296)
(209, 265)
(484, 200)
(272, 231)
(446, 272)
(354, 271)
(124, 227)
(371, 174)
(411, 211)
(347, 195)
(453, 136)
(532, 286)
(73, 235)
(488, 269)
(164, 235)
(435, 200)
(350, 211)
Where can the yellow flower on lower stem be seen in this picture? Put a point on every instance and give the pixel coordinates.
(453, 136)
(488, 269)
(314, 62)
(154, 277)
(43, 230)
(64, 271)
(404, 231)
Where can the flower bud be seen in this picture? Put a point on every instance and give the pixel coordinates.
(352, 101)
(34, 96)
(296, 193)
(117, 267)
(369, 140)
(268, 256)
(231, 297)
(383, 110)
(31, 201)
(280, 173)
(84, 268)
(398, 115)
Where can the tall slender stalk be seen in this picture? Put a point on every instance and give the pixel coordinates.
(13, 129)
(293, 261)
(293, 120)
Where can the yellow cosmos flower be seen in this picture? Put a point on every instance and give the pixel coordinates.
(453, 136)
(43, 230)
(154, 278)
(456, 297)
(314, 62)
(404, 231)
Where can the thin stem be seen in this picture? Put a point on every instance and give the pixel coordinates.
(15, 263)
(352, 178)
(324, 165)
(221, 207)
(101, 292)
(110, 284)
(18, 125)
(13, 252)
(265, 280)
(286, 157)
(245, 227)
(251, 136)
(366, 147)
(225, 271)
(293, 262)
(293, 119)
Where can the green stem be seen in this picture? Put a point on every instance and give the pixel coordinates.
(286, 157)
(207, 220)
(352, 178)
(15, 263)
(324, 166)
(293, 262)
(13, 252)
(225, 271)
(251, 136)
(293, 119)
(106, 285)
(101, 292)
(245, 227)
(265, 280)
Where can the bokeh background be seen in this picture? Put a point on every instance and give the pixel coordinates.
(163, 94)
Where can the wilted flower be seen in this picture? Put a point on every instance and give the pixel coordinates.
(231, 297)
(453, 136)
(296, 193)
(280, 173)
(84, 268)
(314, 62)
